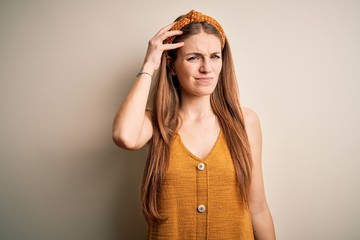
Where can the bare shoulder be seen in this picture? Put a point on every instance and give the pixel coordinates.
(251, 118)
(252, 123)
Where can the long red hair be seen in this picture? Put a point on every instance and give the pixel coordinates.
(165, 102)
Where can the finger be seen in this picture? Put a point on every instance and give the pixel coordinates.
(159, 40)
(165, 29)
(173, 45)
(168, 34)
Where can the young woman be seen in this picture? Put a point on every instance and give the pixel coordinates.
(203, 176)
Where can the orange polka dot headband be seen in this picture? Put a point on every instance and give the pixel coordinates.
(194, 16)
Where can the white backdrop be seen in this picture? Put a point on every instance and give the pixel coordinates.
(65, 67)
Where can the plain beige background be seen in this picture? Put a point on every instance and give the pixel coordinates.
(65, 67)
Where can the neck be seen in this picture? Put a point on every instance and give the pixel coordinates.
(196, 107)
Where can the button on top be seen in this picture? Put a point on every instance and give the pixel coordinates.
(201, 166)
(201, 208)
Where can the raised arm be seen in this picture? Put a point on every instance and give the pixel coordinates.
(263, 225)
(132, 127)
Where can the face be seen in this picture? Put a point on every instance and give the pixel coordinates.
(198, 64)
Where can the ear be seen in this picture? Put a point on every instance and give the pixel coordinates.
(172, 70)
(170, 65)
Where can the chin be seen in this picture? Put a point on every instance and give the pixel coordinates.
(206, 92)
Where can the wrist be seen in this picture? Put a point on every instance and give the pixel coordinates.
(146, 73)
(148, 69)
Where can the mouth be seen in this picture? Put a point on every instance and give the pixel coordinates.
(204, 79)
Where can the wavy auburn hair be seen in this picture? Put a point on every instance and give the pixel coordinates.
(165, 102)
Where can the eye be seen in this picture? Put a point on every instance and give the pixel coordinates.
(193, 58)
(216, 56)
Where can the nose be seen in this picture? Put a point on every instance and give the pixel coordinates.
(205, 66)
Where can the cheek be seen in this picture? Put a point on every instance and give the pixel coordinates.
(218, 68)
(184, 70)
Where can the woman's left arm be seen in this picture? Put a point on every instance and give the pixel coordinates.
(262, 222)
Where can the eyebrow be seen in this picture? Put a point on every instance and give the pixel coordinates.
(201, 54)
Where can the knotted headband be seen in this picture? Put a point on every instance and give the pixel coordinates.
(194, 16)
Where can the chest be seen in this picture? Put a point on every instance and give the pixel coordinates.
(185, 168)
(199, 139)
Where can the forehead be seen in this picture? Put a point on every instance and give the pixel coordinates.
(201, 43)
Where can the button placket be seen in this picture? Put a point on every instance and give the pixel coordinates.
(202, 199)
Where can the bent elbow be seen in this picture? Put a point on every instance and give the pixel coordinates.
(124, 141)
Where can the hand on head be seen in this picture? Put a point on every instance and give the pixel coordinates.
(156, 47)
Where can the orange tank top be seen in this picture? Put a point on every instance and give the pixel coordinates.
(200, 198)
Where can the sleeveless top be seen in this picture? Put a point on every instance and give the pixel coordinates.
(200, 198)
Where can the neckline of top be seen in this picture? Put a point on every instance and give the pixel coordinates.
(193, 155)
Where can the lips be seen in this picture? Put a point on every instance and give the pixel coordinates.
(204, 79)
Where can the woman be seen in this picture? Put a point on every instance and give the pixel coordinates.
(203, 177)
